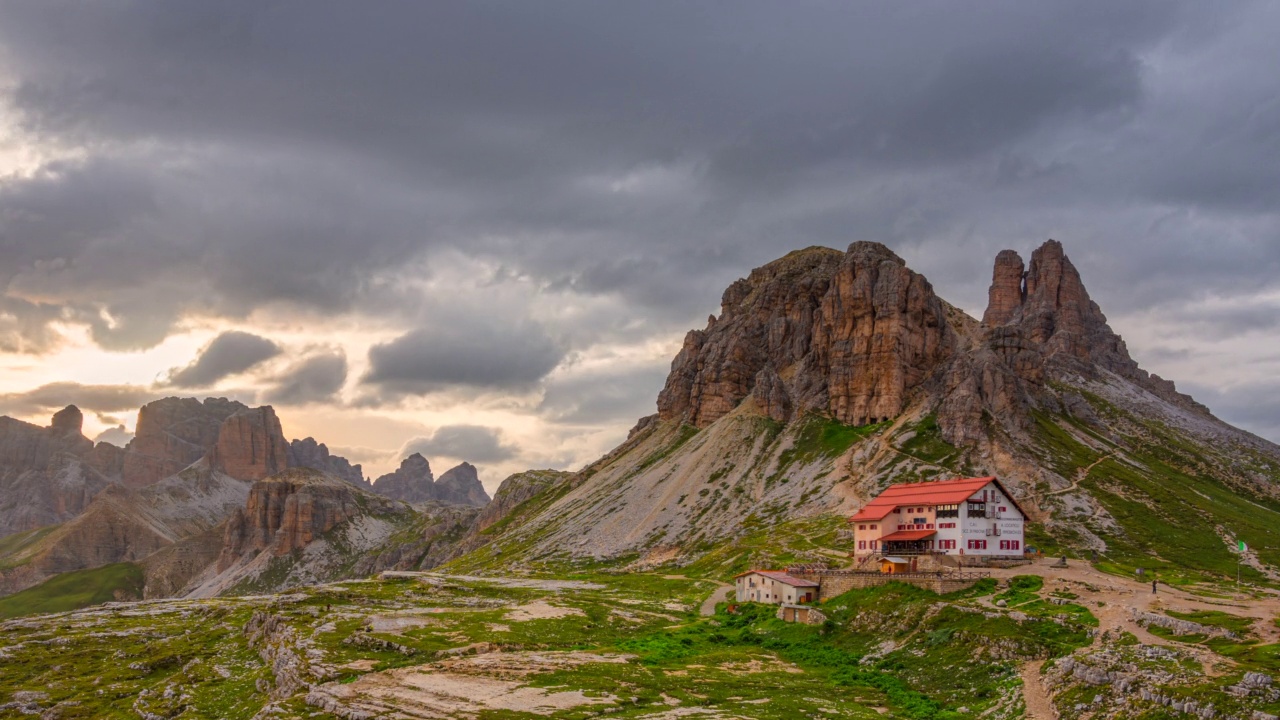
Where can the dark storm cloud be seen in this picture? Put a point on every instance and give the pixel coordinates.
(322, 157)
(471, 443)
(318, 378)
(485, 352)
(230, 353)
(91, 398)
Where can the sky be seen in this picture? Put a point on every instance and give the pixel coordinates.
(480, 230)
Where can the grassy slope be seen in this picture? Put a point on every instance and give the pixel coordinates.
(1171, 499)
(74, 590)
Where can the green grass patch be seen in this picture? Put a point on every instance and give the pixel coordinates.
(1216, 618)
(75, 590)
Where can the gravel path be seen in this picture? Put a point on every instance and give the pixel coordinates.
(721, 594)
(1033, 694)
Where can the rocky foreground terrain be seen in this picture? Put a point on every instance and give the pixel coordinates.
(1033, 642)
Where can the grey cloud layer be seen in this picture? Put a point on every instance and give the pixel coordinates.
(230, 353)
(315, 379)
(321, 157)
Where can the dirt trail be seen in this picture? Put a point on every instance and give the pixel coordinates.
(1081, 474)
(1033, 694)
(722, 593)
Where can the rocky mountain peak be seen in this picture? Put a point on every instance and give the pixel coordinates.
(68, 421)
(1043, 315)
(171, 434)
(308, 453)
(461, 486)
(848, 334)
(411, 482)
(286, 512)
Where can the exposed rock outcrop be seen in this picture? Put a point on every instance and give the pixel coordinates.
(287, 512)
(461, 486)
(514, 491)
(48, 474)
(850, 334)
(172, 434)
(1040, 325)
(251, 445)
(411, 482)
(308, 453)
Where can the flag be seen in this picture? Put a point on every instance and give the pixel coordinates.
(1243, 547)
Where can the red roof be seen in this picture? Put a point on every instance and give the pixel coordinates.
(908, 535)
(780, 576)
(940, 492)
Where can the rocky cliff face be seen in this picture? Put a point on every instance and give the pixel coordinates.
(49, 474)
(286, 513)
(304, 525)
(849, 334)
(171, 434)
(311, 454)
(251, 445)
(213, 450)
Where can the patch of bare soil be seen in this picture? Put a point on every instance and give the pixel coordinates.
(462, 687)
(540, 610)
(758, 665)
(1034, 695)
(398, 622)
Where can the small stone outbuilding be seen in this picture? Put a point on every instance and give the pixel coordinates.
(774, 587)
(803, 614)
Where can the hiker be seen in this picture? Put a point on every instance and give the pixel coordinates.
(1153, 587)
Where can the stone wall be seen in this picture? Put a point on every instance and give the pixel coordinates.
(837, 582)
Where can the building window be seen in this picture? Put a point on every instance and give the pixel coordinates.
(862, 544)
(977, 544)
(862, 527)
(942, 526)
(947, 511)
(873, 527)
(1004, 509)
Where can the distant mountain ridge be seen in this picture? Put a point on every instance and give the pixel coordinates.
(413, 482)
(180, 497)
